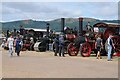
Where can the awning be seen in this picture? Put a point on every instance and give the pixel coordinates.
(106, 24)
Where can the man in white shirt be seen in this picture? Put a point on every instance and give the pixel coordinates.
(110, 45)
(10, 43)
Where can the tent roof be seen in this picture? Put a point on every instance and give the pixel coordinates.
(106, 24)
(41, 30)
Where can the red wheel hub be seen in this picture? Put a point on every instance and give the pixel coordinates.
(85, 49)
(72, 51)
(116, 41)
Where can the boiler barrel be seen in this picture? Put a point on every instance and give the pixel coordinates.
(79, 40)
(70, 37)
(36, 46)
(40, 46)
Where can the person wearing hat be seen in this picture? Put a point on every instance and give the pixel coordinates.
(61, 45)
(110, 46)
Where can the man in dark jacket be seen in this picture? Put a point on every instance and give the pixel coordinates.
(18, 44)
(61, 45)
(56, 45)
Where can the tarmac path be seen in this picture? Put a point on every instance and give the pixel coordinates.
(33, 64)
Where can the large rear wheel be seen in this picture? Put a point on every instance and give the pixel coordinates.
(116, 41)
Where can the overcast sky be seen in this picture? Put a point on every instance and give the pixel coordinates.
(41, 11)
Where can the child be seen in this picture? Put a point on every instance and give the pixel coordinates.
(98, 46)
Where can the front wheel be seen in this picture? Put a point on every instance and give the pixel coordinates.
(72, 50)
(85, 49)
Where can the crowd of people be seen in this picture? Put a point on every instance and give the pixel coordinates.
(14, 40)
(99, 46)
(109, 46)
(59, 45)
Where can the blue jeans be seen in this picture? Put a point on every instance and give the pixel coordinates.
(109, 52)
(17, 49)
(61, 50)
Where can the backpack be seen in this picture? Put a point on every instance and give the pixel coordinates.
(106, 45)
(19, 42)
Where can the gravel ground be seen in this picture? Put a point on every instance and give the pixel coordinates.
(33, 64)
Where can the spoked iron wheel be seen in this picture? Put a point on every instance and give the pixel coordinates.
(116, 41)
(72, 50)
(85, 49)
(108, 31)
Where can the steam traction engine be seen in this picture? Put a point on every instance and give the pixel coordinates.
(85, 44)
(80, 43)
(76, 42)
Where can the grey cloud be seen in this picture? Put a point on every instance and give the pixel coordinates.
(30, 7)
(106, 10)
(37, 9)
(34, 10)
(7, 10)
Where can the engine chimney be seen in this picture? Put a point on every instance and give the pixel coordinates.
(47, 29)
(62, 24)
(80, 25)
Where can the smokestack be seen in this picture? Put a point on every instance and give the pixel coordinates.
(62, 24)
(80, 25)
(48, 29)
(48, 35)
(14, 34)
